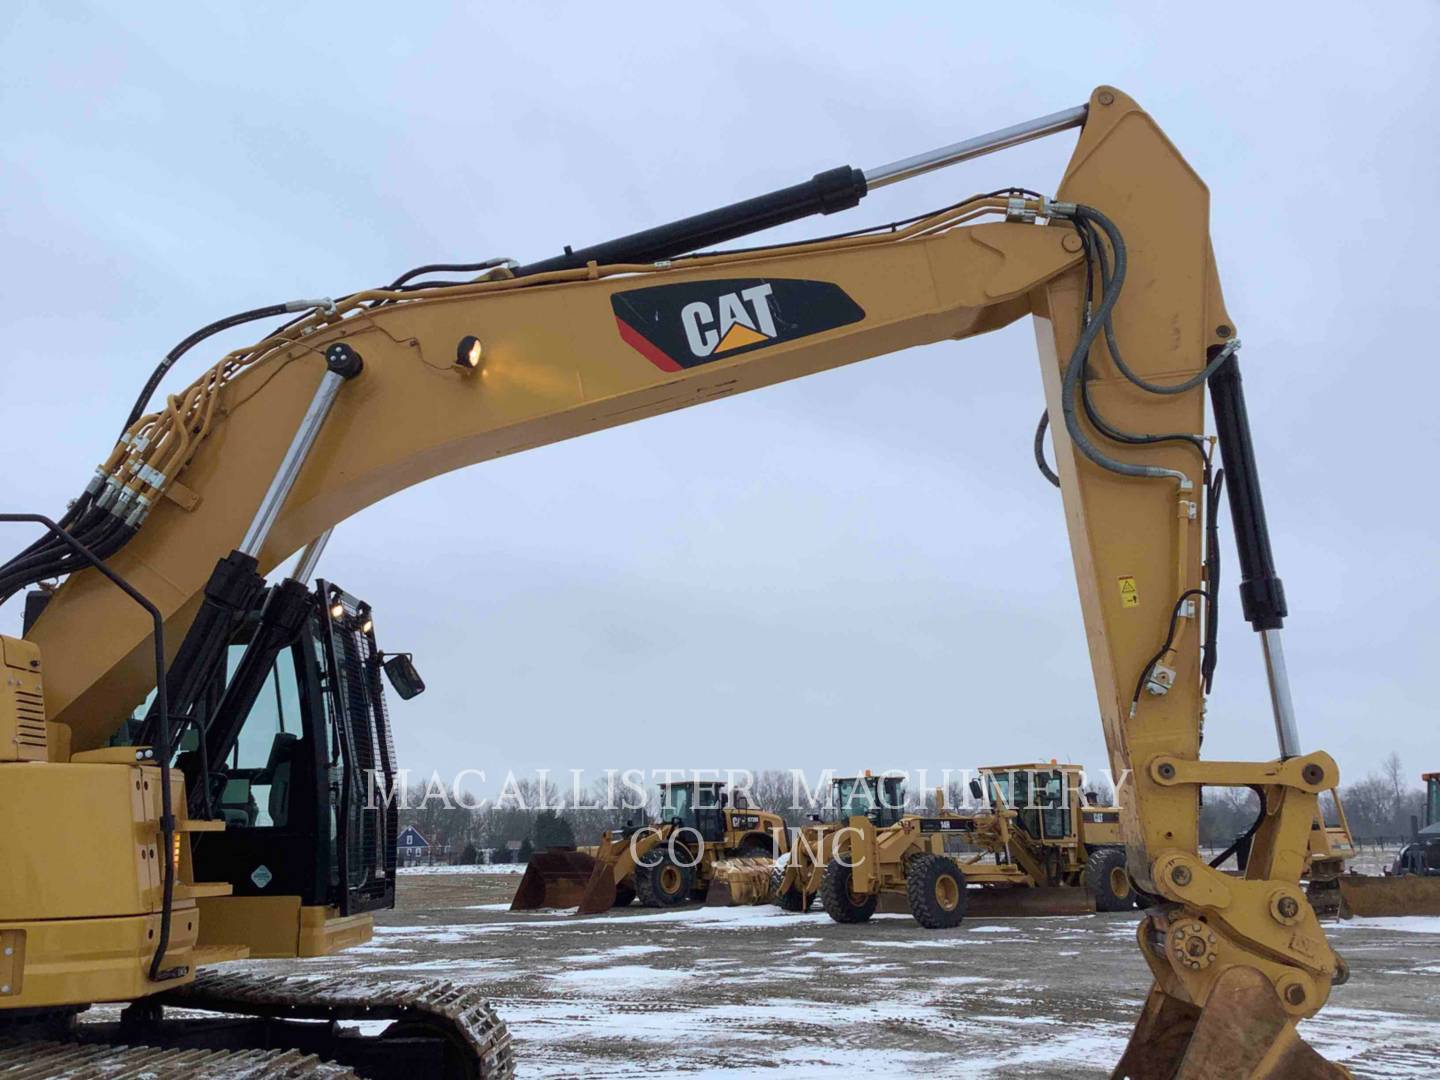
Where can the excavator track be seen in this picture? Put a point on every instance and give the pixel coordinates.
(25, 1060)
(427, 1027)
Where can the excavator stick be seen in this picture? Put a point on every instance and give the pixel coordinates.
(1243, 1030)
(558, 879)
(740, 881)
(1369, 897)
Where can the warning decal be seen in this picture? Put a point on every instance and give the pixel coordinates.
(1129, 597)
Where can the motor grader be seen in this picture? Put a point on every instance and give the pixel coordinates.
(1037, 847)
(1050, 849)
(163, 552)
(704, 846)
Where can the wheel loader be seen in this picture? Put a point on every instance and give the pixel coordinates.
(703, 846)
(341, 402)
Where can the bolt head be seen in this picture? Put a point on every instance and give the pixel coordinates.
(1072, 243)
(1295, 994)
(1106, 98)
(1288, 907)
(1180, 875)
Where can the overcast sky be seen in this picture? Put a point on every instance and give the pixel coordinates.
(859, 568)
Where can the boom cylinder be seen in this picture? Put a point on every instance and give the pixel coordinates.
(824, 193)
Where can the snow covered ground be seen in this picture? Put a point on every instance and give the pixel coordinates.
(735, 992)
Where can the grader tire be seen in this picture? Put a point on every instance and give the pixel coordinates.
(935, 887)
(840, 903)
(664, 882)
(793, 898)
(1106, 877)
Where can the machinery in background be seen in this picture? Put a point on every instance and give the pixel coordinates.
(1037, 847)
(704, 846)
(1327, 861)
(1042, 847)
(1411, 884)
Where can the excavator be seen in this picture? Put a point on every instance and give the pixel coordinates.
(161, 558)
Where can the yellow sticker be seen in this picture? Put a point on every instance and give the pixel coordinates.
(1129, 597)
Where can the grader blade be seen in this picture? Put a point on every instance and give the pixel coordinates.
(1020, 902)
(555, 879)
(1378, 896)
(1009, 902)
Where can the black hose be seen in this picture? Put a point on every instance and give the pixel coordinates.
(1245, 837)
(1114, 347)
(1075, 368)
(227, 323)
(1095, 254)
(1040, 461)
(1169, 640)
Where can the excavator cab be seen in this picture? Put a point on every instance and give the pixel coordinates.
(290, 747)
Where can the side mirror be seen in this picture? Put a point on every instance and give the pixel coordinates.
(976, 791)
(400, 670)
(741, 802)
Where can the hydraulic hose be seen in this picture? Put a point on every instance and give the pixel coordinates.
(1075, 368)
(1044, 466)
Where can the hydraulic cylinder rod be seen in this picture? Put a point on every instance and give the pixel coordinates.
(1262, 596)
(342, 363)
(824, 193)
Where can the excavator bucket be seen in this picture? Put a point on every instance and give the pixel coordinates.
(555, 879)
(739, 881)
(1408, 894)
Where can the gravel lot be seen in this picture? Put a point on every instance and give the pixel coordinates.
(756, 991)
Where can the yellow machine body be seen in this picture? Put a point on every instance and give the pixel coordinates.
(1236, 963)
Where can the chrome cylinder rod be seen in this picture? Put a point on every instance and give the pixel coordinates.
(905, 168)
(343, 364)
(1286, 733)
(310, 557)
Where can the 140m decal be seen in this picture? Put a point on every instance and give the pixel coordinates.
(683, 326)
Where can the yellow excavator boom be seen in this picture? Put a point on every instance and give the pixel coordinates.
(391, 386)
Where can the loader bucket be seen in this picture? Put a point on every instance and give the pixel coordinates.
(554, 879)
(601, 890)
(1367, 896)
(739, 881)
